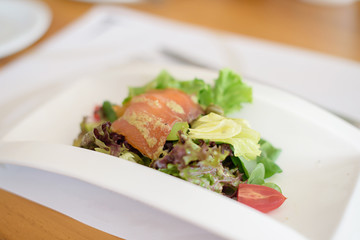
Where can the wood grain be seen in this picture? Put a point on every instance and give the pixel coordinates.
(23, 219)
(326, 29)
(333, 30)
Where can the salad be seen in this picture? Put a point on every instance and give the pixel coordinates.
(181, 128)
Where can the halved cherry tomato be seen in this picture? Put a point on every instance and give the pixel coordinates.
(262, 198)
(96, 114)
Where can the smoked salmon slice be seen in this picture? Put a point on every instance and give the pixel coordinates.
(149, 118)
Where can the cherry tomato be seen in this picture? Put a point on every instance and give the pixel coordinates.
(262, 198)
(96, 114)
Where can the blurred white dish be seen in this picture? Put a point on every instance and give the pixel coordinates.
(320, 159)
(22, 23)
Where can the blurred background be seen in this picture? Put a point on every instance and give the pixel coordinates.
(300, 46)
(306, 47)
(310, 48)
(326, 26)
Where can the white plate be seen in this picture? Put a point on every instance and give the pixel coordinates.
(22, 23)
(320, 159)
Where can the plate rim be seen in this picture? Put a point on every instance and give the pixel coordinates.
(347, 129)
(43, 17)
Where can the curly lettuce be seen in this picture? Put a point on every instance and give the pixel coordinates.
(200, 163)
(235, 132)
(229, 91)
(102, 139)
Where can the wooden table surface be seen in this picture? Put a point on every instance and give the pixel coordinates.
(334, 30)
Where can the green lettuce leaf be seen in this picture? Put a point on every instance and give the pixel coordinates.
(236, 132)
(228, 92)
(267, 158)
(165, 80)
(257, 175)
(273, 185)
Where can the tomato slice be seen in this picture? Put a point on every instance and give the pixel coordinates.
(262, 198)
(96, 114)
